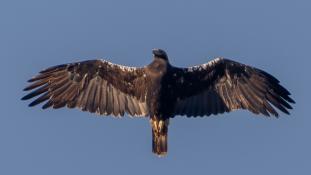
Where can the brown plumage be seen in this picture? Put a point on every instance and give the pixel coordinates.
(159, 90)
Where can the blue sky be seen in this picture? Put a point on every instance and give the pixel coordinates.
(271, 35)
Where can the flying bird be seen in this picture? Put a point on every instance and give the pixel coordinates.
(159, 91)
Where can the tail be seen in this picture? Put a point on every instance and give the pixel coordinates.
(159, 136)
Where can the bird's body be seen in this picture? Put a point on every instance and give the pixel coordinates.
(159, 90)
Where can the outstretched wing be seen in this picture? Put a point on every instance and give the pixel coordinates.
(95, 86)
(222, 85)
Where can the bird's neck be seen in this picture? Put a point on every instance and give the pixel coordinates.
(159, 65)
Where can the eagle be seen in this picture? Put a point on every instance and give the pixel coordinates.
(159, 91)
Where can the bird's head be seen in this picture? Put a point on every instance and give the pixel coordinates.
(159, 53)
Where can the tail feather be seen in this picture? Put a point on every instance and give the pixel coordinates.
(159, 144)
(159, 136)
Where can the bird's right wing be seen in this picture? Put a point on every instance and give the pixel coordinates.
(95, 86)
(222, 85)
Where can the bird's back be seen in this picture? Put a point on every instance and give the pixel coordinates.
(158, 93)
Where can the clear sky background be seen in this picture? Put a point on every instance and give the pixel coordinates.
(271, 35)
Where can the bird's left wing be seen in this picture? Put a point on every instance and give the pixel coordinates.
(222, 85)
(95, 86)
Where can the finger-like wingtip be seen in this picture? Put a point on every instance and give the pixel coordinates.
(291, 100)
(25, 98)
(26, 89)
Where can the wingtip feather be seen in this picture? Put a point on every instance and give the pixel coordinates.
(24, 98)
